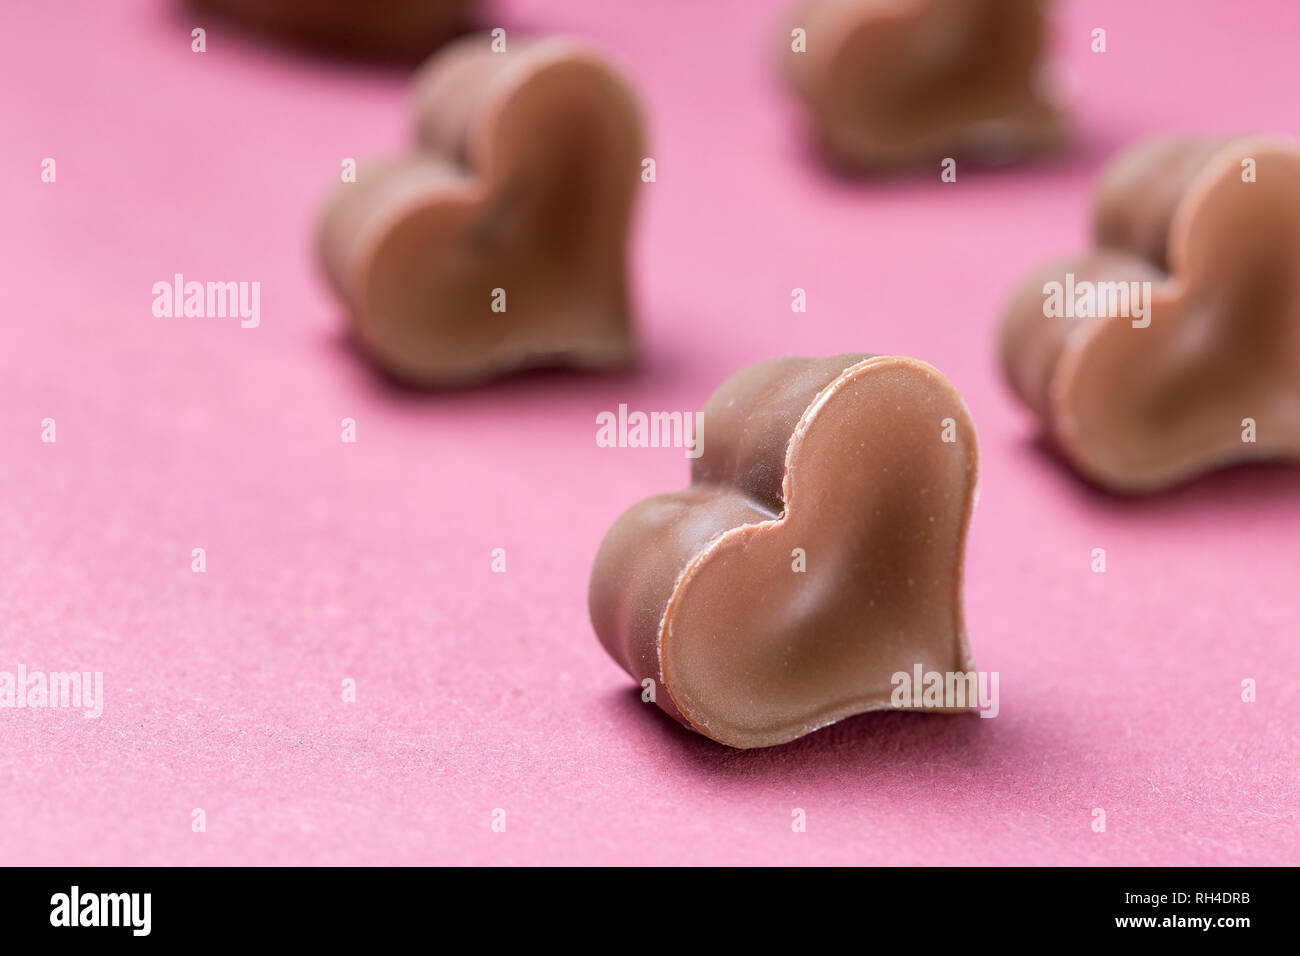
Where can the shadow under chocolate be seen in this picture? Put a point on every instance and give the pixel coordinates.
(1089, 148)
(666, 364)
(271, 36)
(873, 747)
(1248, 486)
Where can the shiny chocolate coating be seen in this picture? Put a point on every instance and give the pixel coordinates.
(817, 552)
(893, 83)
(500, 241)
(1209, 375)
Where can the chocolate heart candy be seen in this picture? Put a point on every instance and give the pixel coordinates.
(817, 553)
(897, 83)
(501, 243)
(1180, 348)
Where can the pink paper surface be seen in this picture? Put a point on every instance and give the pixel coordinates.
(372, 561)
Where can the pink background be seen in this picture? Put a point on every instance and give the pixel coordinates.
(372, 561)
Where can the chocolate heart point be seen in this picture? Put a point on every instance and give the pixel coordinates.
(817, 553)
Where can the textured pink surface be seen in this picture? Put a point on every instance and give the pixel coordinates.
(372, 561)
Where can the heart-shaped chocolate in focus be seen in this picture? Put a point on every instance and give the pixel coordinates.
(817, 552)
(501, 242)
(1209, 373)
(891, 83)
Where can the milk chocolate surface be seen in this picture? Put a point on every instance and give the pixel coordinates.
(383, 29)
(892, 83)
(518, 195)
(844, 458)
(1141, 408)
